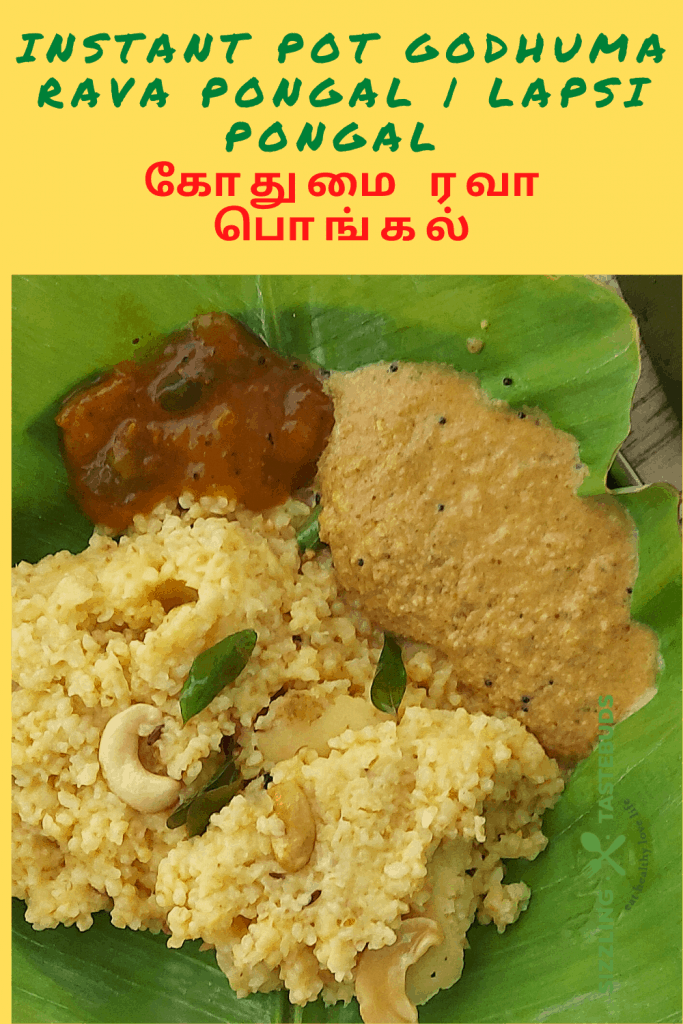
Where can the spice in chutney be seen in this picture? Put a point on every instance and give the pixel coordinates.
(216, 412)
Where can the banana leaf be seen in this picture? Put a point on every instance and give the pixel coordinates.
(567, 345)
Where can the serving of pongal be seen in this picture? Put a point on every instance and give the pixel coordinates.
(349, 848)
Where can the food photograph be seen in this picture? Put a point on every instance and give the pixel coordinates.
(346, 678)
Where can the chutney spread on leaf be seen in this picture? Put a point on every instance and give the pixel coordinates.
(216, 412)
(455, 521)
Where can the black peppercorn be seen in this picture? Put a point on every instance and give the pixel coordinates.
(393, 367)
(507, 381)
(442, 420)
(361, 561)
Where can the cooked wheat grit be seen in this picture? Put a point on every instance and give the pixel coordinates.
(381, 801)
(396, 812)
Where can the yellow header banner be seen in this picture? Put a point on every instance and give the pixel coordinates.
(492, 138)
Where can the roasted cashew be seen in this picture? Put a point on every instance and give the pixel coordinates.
(120, 761)
(451, 905)
(293, 850)
(301, 719)
(381, 973)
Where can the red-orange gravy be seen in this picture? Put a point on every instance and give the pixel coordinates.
(216, 412)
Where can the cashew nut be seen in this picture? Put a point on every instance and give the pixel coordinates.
(381, 973)
(301, 719)
(452, 906)
(121, 765)
(293, 850)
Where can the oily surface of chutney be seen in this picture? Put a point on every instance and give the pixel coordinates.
(217, 411)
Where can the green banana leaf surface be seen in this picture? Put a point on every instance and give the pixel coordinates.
(566, 345)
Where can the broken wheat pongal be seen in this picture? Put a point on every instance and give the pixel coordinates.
(395, 812)
(362, 845)
(383, 800)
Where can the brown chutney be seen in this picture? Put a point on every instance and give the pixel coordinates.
(456, 521)
(216, 412)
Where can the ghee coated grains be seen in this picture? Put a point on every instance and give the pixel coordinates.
(382, 801)
(120, 624)
(393, 812)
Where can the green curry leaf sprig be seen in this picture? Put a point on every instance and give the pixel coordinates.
(211, 672)
(214, 669)
(223, 785)
(389, 683)
(308, 534)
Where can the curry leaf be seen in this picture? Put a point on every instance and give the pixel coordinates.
(389, 683)
(214, 669)
(226, 775)
(308, 534)
(206, 804)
